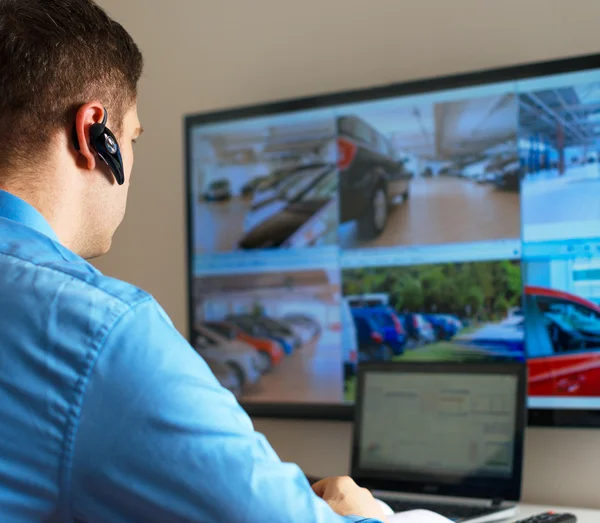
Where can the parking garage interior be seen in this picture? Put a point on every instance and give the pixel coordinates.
(243, 157)
(449, 147)
(311, 373)
(559, 148)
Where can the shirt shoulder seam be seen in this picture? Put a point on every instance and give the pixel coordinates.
(78, 278)
(75, 409)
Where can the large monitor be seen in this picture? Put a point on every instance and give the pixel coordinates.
(452, 219)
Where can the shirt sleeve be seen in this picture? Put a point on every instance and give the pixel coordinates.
(160, 440)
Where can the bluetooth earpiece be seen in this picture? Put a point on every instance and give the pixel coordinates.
(105, 144)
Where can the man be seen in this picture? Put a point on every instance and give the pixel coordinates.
(106, 413)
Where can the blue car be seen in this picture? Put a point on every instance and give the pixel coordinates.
(371, 346)
(388, 324)
(444, 327)
(499, 340)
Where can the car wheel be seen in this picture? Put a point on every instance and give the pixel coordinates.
(372, 224)
(239, 374)
(266, 361)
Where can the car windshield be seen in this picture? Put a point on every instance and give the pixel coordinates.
(324, 189)
(573, 318)
(383, 319)
(298, 183)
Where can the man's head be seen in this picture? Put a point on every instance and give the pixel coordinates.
(62, 63)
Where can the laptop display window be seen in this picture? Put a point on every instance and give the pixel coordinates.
(441, 429)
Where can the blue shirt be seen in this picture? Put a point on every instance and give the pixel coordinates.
(108, 415)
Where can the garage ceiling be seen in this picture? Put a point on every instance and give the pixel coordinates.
(450, 130)
(577, 110)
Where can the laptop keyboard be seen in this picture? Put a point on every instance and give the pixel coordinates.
(456, 513)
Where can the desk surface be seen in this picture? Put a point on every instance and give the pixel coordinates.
(583, 515)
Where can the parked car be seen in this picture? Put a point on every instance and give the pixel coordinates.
(245, 362)
(349, 340)
(563, 355)
(269, 203)
(388, 324)
(445, 327)
(218, 190)
(371, 178)
(277, 181)
(225, 375)
(266, 347)
(234, 346)
(499, 340)
(279, 328)
(305, 328)
(306, 212)
(249, 188)
(371, 343)
(305, 321)
(253, 325)
(418, 328)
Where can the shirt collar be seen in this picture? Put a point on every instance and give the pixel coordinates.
(18, 210)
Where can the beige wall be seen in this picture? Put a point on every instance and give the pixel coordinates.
(207, 54)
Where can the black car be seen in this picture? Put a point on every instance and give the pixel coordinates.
(279, 228)
(372, 178)
(218, 190)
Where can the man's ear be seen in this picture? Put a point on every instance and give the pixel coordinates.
(87, 115)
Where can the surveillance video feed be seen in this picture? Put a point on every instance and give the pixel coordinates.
(559, 147)
(458, 225)
(278, 334)
(438, 312)
(429, 173)
(270, 183)
(562, 324)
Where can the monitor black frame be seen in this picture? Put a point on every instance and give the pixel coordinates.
(507, 489)
(339, 412)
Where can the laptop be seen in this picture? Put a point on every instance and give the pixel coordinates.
(446, 437)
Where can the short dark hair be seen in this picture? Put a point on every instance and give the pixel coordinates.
(55, 56)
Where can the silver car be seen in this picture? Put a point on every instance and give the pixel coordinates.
(239, 356)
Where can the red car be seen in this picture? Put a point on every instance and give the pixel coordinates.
(563, 343)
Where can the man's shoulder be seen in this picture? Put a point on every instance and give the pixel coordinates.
(28, 250)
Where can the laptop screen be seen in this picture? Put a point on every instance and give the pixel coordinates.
(445, 424)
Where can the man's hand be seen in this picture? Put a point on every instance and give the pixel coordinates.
(346, 498)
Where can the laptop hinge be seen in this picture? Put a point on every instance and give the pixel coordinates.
(497, 502)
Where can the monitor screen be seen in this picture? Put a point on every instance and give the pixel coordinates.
(454, 219)
(405, 415)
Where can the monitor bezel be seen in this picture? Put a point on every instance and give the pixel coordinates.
(341, 412)
(508, 489)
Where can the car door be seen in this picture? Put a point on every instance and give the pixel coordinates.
(575, 363)
(397, 177)
(360, 165)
